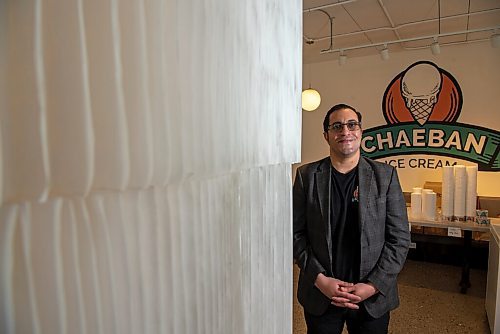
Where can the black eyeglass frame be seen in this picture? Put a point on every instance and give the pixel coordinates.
(351, 126)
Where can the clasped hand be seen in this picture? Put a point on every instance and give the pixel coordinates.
(344, 294)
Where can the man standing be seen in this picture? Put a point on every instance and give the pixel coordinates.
(350, 233)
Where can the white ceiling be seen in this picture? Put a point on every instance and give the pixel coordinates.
(373, 23)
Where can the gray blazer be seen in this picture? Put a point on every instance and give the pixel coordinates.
(383, 225)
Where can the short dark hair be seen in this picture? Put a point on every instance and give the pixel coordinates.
(335, 108)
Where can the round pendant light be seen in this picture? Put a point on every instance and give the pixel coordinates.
(310, 99)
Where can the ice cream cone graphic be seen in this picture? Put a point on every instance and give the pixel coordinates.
(421, 94)
(420, 87)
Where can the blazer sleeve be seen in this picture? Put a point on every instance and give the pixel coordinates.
(397, 239)
(302, 252)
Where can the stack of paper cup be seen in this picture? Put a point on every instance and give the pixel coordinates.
(471, 197)
(460, 192)
(416, 205)
(428, 204)
(448, 187)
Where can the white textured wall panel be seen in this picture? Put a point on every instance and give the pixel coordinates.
(153, 261)
(145, 153)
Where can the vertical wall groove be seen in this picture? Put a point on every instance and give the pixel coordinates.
(38, 59)
(34, 318)
(9, 217)
(73, 282)
(87, 104)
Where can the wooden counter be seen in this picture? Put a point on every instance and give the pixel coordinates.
(465, 226)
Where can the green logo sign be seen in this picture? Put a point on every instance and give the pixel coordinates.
(467, 142)
(421, 106)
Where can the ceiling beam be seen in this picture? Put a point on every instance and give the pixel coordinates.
(328, 6)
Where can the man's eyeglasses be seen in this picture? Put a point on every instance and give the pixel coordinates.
(351, 126)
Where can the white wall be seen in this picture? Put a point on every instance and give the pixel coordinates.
(362, 82)
(145, 161)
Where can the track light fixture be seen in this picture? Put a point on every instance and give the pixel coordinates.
(384, 53)
(435, 47)
(495, 40)
(342, 58)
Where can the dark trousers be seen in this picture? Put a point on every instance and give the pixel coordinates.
(358, 322)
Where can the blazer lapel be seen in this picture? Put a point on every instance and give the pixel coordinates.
(365, 174)
(322, 180)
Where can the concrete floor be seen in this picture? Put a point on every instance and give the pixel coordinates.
(430, 301)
